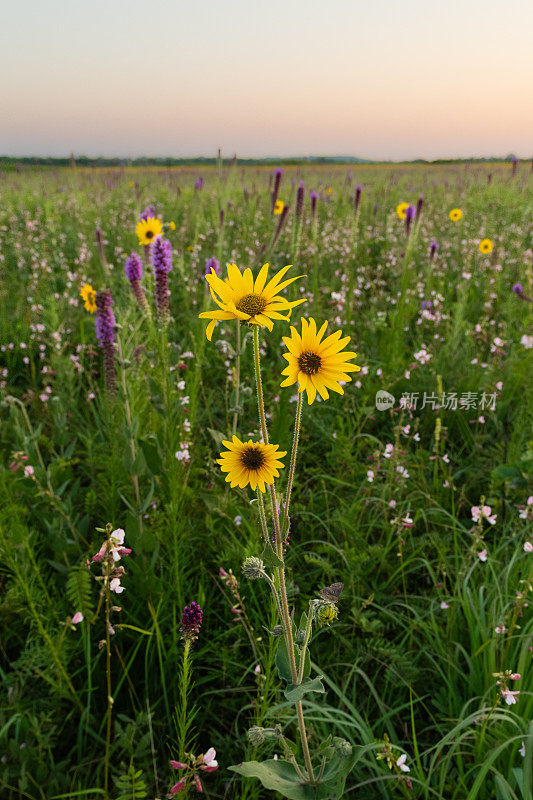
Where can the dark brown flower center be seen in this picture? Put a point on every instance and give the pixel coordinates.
(149, 234)
(309, 363)
(252, 458)
(251, 304)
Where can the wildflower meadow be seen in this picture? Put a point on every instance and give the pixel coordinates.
(266, 481)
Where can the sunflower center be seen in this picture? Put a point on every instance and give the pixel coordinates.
(149, 234)
(252, 458)
(251, 304)
(309, 363)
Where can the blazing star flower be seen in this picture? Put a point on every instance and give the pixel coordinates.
(485, 246)
(161, 259)
(134, 272)
(105, 333)
(401, 763)
(148, 230)
(317, 364)
(433, 247)
(212, 265)
(409, 216)
(252, 302)
(191, 621)
(88, 295)
(401, 208)
(250, 463)
(149, 212)
(455, 214)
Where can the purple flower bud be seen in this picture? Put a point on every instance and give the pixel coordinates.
(134, 272)
(277, 183)
(133, 267)
(191, 621)
(300, 195)
(433, 247)
(149, 211)
(419, 206)
(409, 217)
(161, 259)
(313, 197)
(212, 264)
(105, 333)
(518, 289)
(199, 184)
(357, 197)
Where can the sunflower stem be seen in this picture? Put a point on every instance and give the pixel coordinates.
(290, 481)
(237, 375)
(285, 613)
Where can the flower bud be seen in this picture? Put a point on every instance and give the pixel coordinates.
(342, 747)
(326, 614)
(278, 630)
(253, 568)
(300, 637)
(255, 736)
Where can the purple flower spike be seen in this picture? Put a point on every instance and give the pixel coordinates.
(161, 259)
(105, 333)
(357, 197)
(433, 247)
(212, 264)
(191, 621)
(518, 288)
(134, 272)
(313, 197)
(199, 184)
(409, 217)
(149, 211)
(300, 195)
(420, 206)
(277, 183)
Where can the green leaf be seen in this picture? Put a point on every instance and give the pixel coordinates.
(295, 692)
(270, 559)
(151, 456)
(278, 776)
(282, 661)
(218, 436)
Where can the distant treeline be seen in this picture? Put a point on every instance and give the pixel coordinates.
(201, 161)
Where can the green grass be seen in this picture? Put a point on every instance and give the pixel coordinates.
(395, 663)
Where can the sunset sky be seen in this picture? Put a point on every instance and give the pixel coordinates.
(383, 79)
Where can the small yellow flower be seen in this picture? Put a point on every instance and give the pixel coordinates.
(278, 207)
(317, 365)
(149, 229)
(401, 209)
(455, 214)
(255, 302)
(251, 463)
(485, 246)
(172, 226)
(131, 183)
(190, 248)
(329, 190)
(88, 295)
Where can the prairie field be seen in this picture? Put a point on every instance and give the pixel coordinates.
(411, 484)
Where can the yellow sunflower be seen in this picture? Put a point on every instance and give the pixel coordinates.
(172, 225)
(240, 298)
(251, 463)
(401, 209)
(88, 295)
(148, 229)
(317, 364)
(455, 214)
(279, 205)
(485, 246)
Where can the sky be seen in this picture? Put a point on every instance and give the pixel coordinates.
(380, 79)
